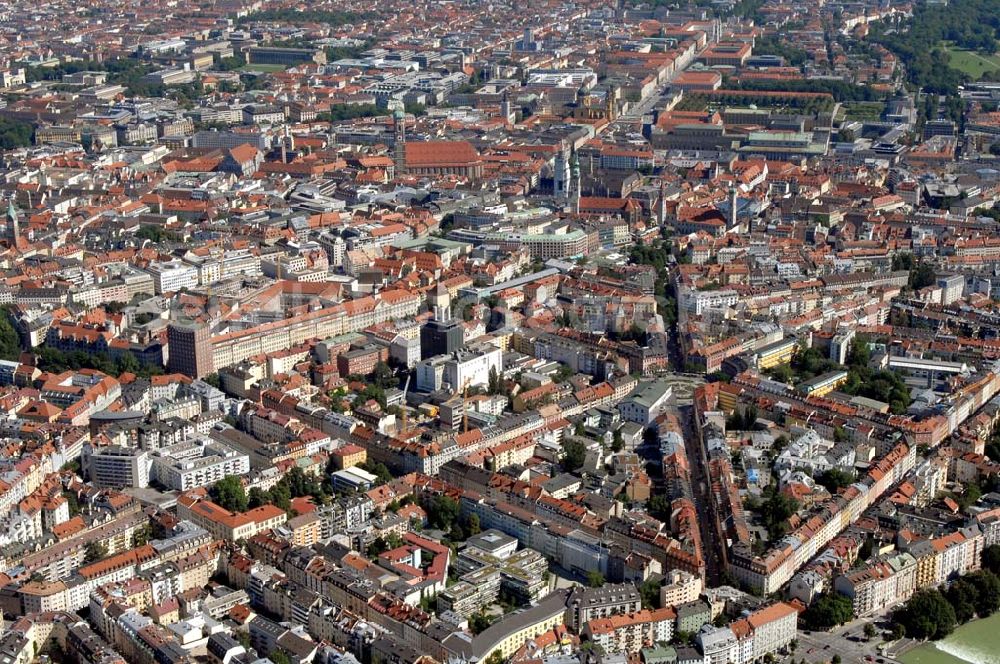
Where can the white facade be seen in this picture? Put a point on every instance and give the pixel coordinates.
(773, 628)
(718, 645)
(172, 276)
(193, 464)
(952, 288)
(646, 402)
(682, 587)
(698, 301)
(116, 467)
(471, 367)
(880, 586)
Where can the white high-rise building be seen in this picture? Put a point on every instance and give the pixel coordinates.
(115, 467)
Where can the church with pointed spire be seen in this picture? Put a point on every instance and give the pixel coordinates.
(12, 224)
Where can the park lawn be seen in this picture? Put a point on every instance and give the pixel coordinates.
(972, 63)
(863, 110)
(692, 102)
(270, 69)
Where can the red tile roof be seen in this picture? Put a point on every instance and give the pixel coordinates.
(441, 153)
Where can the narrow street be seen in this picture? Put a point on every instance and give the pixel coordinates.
(698, 462)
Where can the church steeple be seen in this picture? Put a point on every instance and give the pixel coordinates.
(399, 141)
(733, 207)
(12, 230)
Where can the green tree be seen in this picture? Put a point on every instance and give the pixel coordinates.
(14, 134)
(382, 544)
(127, 363)
(870, 631)
(658, 506)
(442, 512)
(987, 587)
(810, 362)
(371, 391)
(229, 494)
(781, 373)
(835, 479)
(922, 275)
(828, 610)
(495, 385)
(993, 449)
(230, 63)
(962, 595)
(384, 376)
(474, 528)
(902, 261)
(281, 496)
(10, 342)
(379, 470)
(73, 502)
(650, 593)
(991, 558)
(300, 484)
(867, 547)
(457, 533)
(574, 455)
(243, 637)
(478, 622)
(927, 615)
(774, 45)
(93, 552)
(595, 579)
(617, 443)
(970, 496)
(415, 109)
(859, 354)
(562, 374)
(744, 420)
(887, 386)
(257, 497)
(775, 511)
(142, 535)
(154, 234)
(341, 112)
(279, 657)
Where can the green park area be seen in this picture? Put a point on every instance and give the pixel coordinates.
(974, 64)
(863, 110)
(267, 69)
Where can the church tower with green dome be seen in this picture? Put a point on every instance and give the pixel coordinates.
(12, 230)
